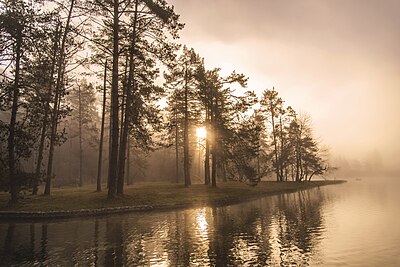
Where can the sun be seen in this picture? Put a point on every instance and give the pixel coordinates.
(201, 132)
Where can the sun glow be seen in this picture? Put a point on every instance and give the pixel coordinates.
(201, 132)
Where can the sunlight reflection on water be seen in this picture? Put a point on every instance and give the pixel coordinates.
(355, 224)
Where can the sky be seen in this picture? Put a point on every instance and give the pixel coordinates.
(337, 60)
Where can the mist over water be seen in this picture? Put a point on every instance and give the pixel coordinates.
(353, 224)
(247, 91)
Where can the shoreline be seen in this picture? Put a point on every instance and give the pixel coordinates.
(221, 200)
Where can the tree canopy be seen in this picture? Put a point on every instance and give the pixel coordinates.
(53, 58)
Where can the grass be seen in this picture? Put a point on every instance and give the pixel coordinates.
(151, 194)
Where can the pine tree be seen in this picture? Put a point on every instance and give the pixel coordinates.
(44, 71)
(223, 106)
(182, 81)
(103, 114)
(84, 119)
(271, 106)
(57, 96)
(144, 21)
(310, 158)
(21, 36)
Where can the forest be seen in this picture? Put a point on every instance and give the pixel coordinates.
(102, 92)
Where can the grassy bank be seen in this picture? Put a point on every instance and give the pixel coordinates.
(152, 195)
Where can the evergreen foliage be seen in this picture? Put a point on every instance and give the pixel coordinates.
(53, 58)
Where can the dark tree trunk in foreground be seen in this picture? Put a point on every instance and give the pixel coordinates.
(45, 116)
(112, 183)
(123, 99)
(109, 146)
(130, 87)
(103, 114)
(14, 187)
(54, 121)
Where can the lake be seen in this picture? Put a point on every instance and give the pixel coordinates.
(351, 224)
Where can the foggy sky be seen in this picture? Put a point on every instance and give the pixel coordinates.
(337, 60)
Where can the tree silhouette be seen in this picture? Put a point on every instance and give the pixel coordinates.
(181, 78)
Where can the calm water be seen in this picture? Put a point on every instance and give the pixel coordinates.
(354, 224)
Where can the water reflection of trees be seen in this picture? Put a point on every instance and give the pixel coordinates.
(240, 235)
(296, 227)
(20, 245)
(282, 230)
(50, 243)
(114, 253)
(279, 230)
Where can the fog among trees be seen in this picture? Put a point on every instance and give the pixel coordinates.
(81, 93)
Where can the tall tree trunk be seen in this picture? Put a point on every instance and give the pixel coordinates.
(130, 88)
(301, 168)
(103, 114)
(281, 158)
(80, 137)
(214, 143)
(176, 144)
(128, 162)
(186, 167)
(223, 171)
(54, 121)
(297, 169)
(109, 145)
(297, 161)
(121, 122)
(258, 164)
(14, 186)
(123, 100)
(112, 184)
(46, 114)
(214, 160)
(275, 144)
(207, 152)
